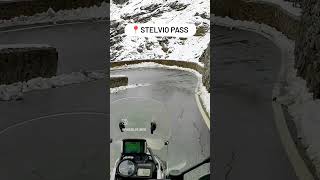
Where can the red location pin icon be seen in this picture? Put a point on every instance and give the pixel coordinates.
(135, 28)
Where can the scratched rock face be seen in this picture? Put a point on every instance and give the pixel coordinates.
(308, 46)
(119, 1)
(205, 59)
(22, 64)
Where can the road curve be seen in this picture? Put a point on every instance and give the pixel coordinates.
(246, 142)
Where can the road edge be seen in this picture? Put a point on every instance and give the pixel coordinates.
(202, 110)
(117, 81)
(13, 28)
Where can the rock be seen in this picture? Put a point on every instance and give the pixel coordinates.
(140, 48)
(205, 59)
(205, 16)
(119, 1)
(150, 8)
(165, 49)
(149, 45)
(178, 6)
(114, 24)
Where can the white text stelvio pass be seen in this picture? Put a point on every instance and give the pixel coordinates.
(170, 30)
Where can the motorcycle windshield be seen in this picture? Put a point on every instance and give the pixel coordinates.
(133, 118)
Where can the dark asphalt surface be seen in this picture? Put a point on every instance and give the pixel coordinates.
(67, 147)
(246, 144)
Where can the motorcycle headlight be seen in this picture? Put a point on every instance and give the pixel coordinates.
(126, 168)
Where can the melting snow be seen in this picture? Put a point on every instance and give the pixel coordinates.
(15, 91)
(130, 86)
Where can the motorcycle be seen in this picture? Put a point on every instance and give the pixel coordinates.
(140, 132)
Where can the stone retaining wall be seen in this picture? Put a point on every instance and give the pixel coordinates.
(116, 81)
(9, 10)
(22, 64)
(307, 50)
(205, 71)
(205, 59)
(184, 64)
(260, 12)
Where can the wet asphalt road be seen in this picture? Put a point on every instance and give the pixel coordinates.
(246, 142)
(65, 147)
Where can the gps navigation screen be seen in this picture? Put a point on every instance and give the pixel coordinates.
(133, 147)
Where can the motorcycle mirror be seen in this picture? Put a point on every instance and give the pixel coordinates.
(121, 126)
(153, 127)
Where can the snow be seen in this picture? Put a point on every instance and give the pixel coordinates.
(286, 5)
(130, 86)
(15, 91)
(11, 46)
(200, 89)
(62, 15)
(205, 97)
(118, 76)
(185, 49)
(301, 105)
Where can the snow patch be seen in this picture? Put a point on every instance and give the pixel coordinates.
(118, 76)
(15, 91)
(130, 86)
